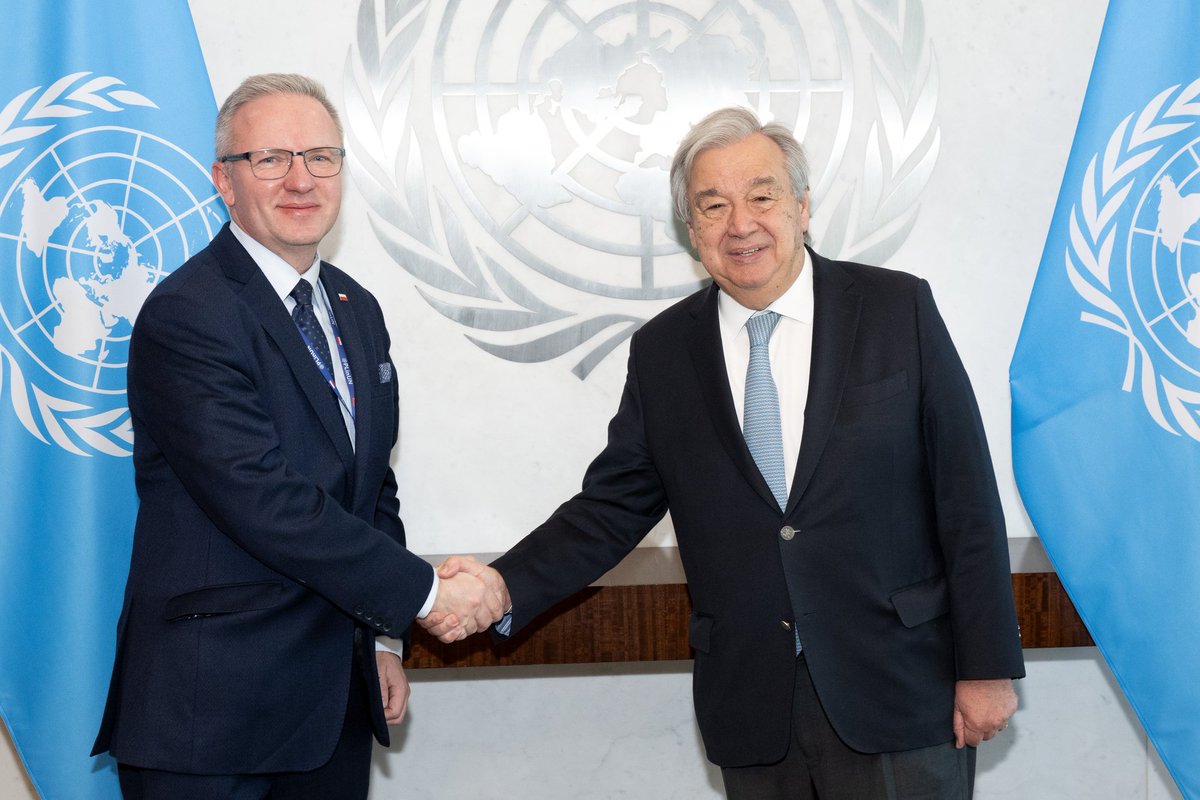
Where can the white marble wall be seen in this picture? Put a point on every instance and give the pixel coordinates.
(1011, 78)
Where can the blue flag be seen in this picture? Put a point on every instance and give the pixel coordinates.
(106, 120)
(1106, 375)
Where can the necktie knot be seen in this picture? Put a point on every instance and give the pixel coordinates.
(761, 326)
(302, 294)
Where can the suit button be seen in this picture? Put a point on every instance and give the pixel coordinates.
(787, 626)
(787, 532)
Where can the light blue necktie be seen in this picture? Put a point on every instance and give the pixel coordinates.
(761, 425)
(760, 416)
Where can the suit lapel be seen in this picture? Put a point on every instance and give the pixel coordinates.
(257, 293)
(361, 371)
(708, 356)
(836, 308)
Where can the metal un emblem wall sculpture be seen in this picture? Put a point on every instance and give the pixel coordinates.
(515, 156)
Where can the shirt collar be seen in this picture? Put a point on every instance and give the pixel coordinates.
(280, 274)
(795, 304)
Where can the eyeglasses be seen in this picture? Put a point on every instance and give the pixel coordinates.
(273, 163)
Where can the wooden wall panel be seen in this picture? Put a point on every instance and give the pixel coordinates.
(649, 623)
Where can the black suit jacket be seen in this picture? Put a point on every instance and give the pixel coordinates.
(897, 574)
(266, 549)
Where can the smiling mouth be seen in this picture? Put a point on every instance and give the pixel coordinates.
(749, 251)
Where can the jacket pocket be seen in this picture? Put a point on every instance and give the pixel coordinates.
(700, 631)
(922, 601)
(229, 598)
(890, 386)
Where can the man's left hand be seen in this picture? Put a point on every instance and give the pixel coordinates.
(982, 709)
(393, 687)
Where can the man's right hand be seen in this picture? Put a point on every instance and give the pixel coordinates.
(471, 596)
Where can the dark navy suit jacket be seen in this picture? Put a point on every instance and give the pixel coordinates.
(897, 574)
(266, 548)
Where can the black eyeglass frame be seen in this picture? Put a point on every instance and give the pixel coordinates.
(340, 151)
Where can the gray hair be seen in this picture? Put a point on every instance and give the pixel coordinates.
(272, 83)
(726, 127)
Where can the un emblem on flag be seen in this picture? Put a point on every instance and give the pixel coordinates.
(1135, 252)
(91, 219)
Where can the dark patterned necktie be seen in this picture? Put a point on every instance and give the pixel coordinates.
(306, 321)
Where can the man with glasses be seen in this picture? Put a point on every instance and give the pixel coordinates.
(268, 551)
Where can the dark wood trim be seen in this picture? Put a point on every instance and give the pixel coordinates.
(649, 623)
(1045, 613)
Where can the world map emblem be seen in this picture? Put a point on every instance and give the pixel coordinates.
(515, 158)
(1135, 252)
(93, 216)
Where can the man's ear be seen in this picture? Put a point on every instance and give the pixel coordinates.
(220, 179)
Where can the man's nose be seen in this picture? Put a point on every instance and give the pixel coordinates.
(742, 220)
(298, 178)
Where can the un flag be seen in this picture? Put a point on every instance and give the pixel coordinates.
(106, 119)
(1106, 375)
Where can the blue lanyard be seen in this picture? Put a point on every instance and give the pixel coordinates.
(321, 365)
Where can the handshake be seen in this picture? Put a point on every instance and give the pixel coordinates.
(471, 596)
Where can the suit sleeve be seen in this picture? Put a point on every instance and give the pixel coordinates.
(970, 519)
(196, 390)
(621, 500)
(387, 505)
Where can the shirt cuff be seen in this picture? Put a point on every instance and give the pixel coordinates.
(425, 609)
(386, 644)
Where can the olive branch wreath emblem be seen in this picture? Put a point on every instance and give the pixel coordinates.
(419, 229)
(30, 114)
(1107, 183)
